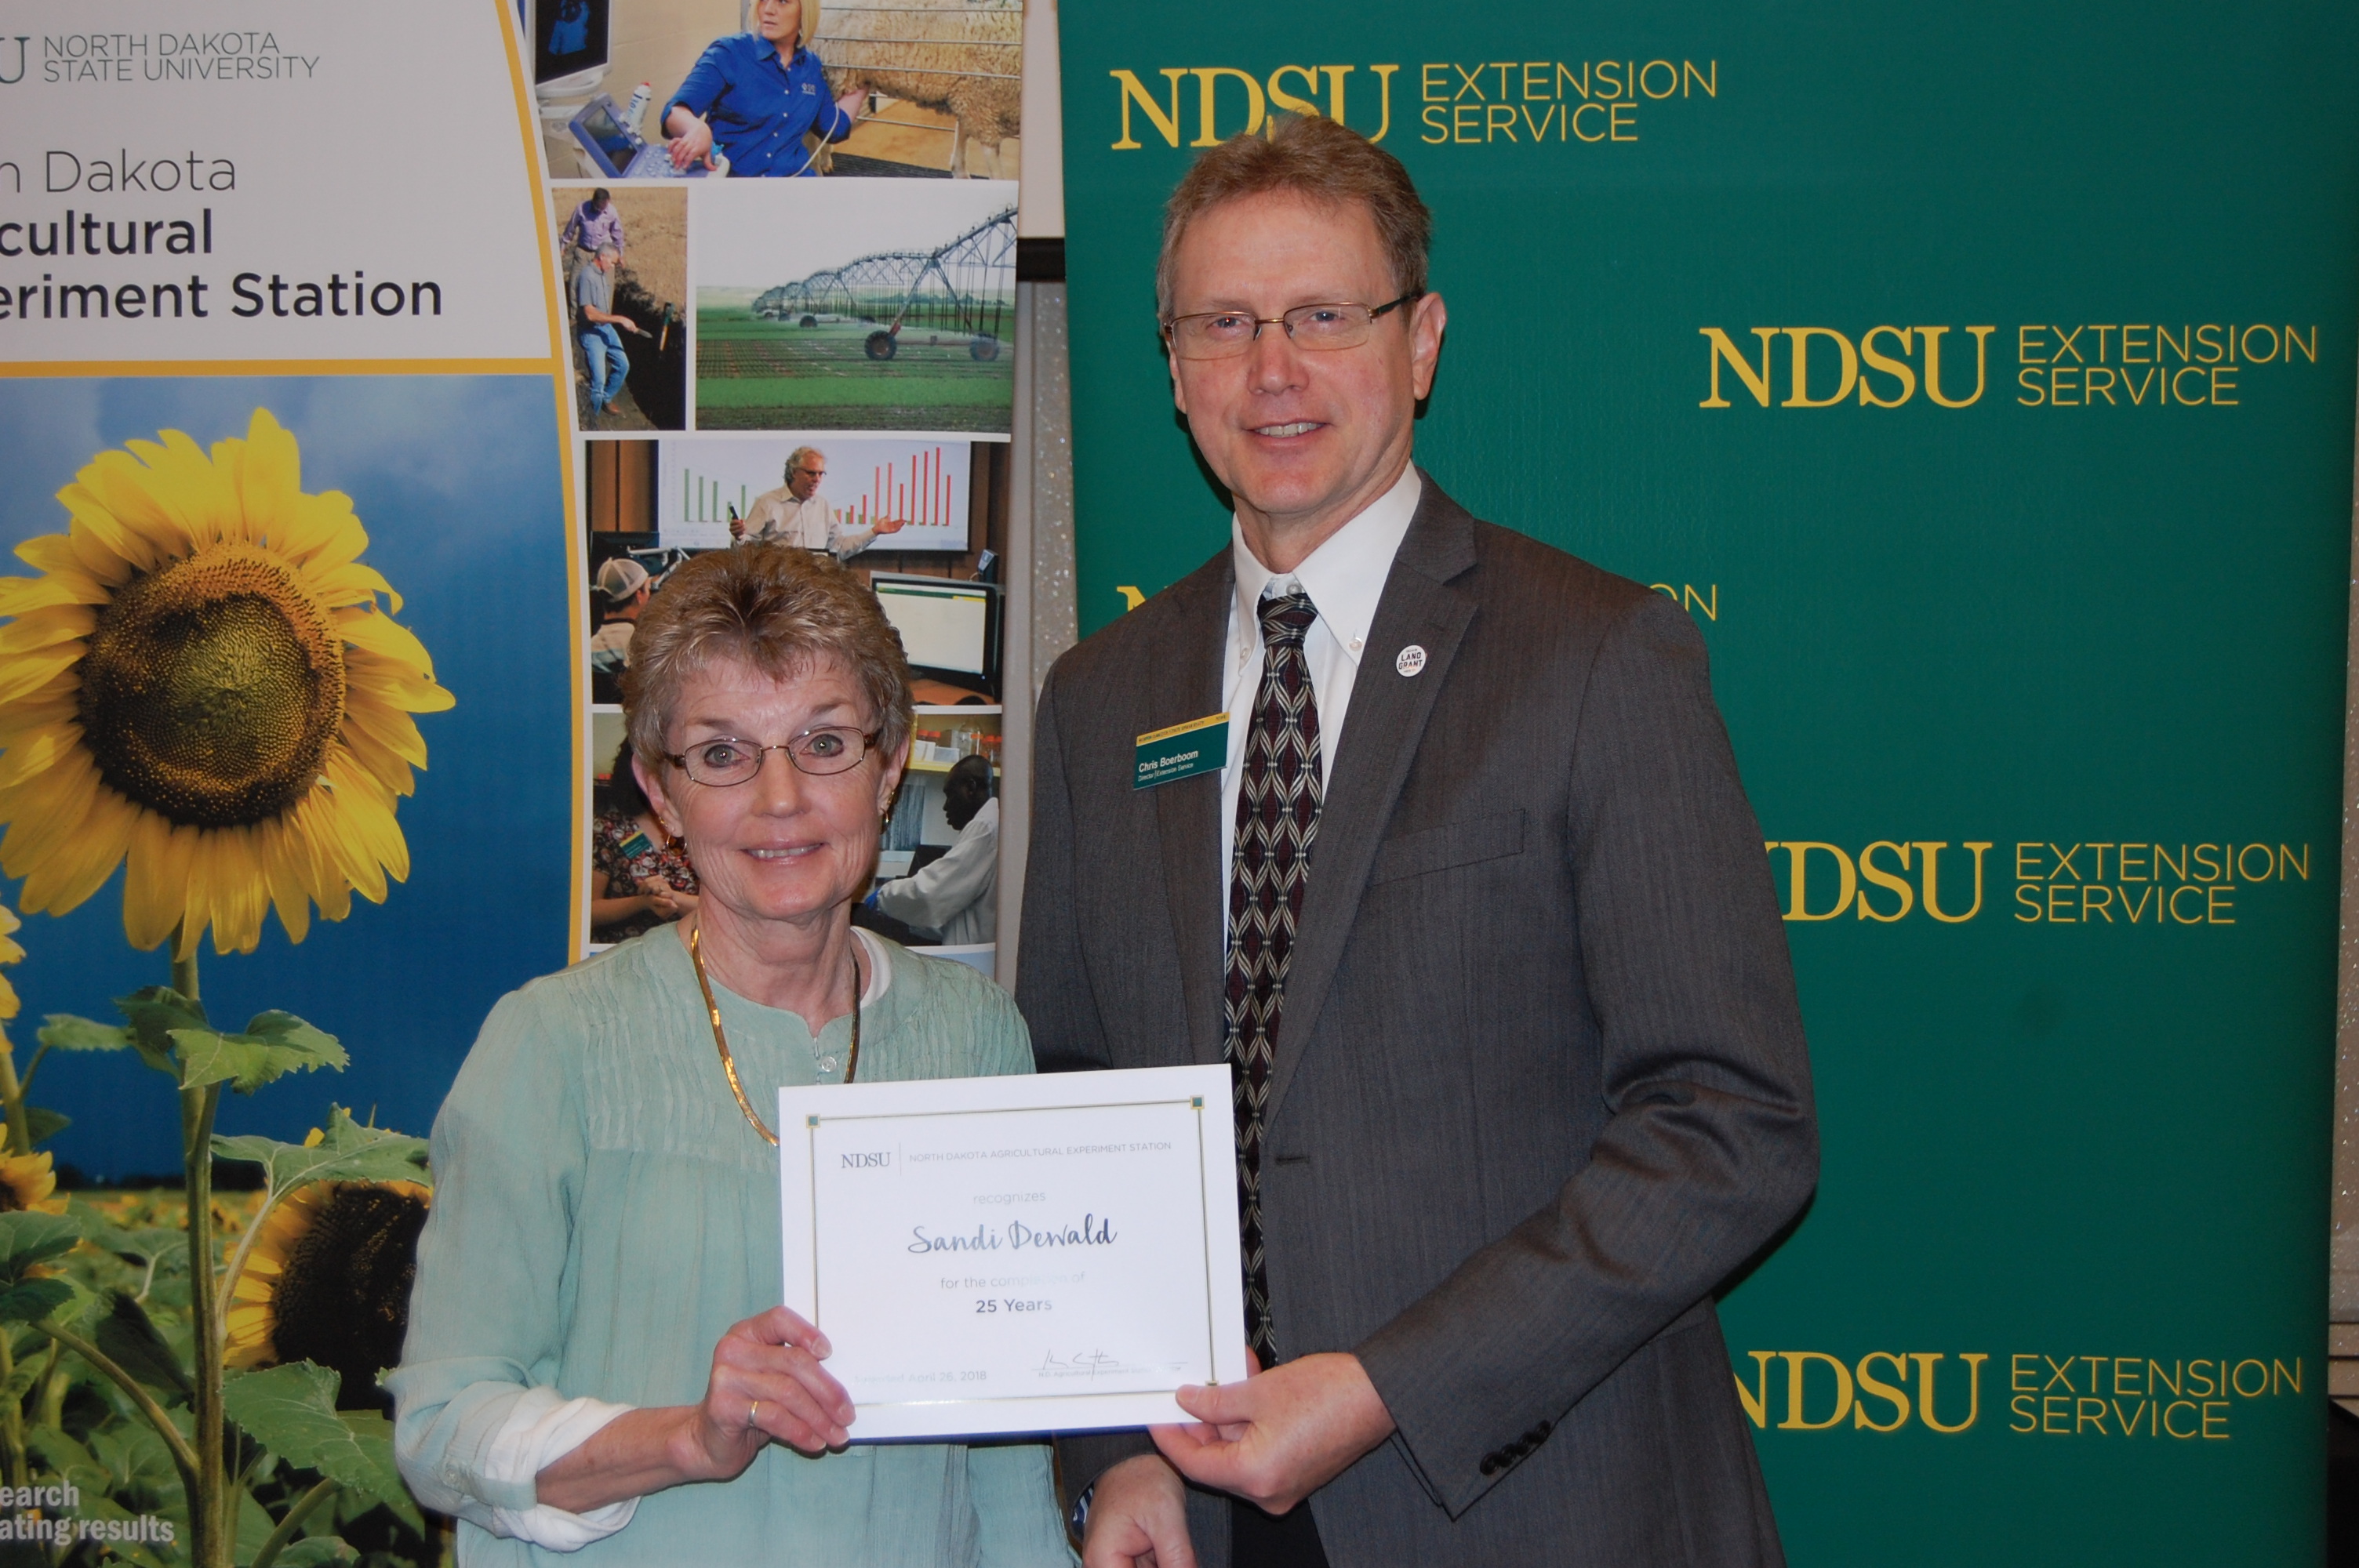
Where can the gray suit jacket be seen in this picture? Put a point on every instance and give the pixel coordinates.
(1541, 1082)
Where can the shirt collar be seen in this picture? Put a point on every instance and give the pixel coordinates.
(1345, 576)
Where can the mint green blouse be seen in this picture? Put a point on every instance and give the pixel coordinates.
(602, 1213)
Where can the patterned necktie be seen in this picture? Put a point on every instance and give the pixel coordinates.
(1277, 817)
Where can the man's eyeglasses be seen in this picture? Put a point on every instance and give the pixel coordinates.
(1224, 334)
(830, 748)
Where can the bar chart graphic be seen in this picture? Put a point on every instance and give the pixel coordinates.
(704, 484)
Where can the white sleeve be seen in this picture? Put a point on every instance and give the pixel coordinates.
(847, 539)
(947, 886)
(543, 1428)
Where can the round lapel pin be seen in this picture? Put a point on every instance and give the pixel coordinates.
(1410, 659)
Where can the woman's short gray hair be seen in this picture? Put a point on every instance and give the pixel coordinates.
(776, 608)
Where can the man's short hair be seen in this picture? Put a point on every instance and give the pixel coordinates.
(795, 458)
(974, 769)
(1322, 159)
(610, 251)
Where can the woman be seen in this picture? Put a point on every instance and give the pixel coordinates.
(640, 875)
(754, 96)
(596, 1358)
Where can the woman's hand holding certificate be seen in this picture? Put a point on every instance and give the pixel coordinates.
(1017, 1254)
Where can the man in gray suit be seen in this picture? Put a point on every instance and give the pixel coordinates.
(1519, 1073)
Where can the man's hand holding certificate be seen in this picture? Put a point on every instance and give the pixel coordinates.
(1017, 1254)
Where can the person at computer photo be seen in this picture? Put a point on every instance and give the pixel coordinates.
(756, 96)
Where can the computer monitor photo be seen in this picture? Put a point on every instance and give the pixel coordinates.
(950, 630)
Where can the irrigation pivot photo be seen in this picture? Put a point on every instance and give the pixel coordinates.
(856, 305)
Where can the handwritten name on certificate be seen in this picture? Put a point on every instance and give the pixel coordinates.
(1015, 1254)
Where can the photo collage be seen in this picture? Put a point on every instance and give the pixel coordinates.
(785, 234)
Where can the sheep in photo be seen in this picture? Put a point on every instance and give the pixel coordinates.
(964, 60)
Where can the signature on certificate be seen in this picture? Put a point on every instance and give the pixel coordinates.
(1093, 1364)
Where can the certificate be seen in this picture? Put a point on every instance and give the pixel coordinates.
(1015, 1254)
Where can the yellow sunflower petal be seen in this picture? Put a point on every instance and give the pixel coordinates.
(282, 869)
(43, 812)
(111, 552)
(46, 627)
(196, 489)
(322, 532)
(267, 471)
(119, 484)
(386, 638)
(41, 712)
(37, 753)
(155, 888)
(381, 680)
(350, 584)
(8, 1002)
(26, 673)
(373, 758)
(19, 595)
(344, 833)
(239, 899)
(79, 867)
(390, 727)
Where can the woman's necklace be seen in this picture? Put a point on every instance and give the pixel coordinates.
(721, 1040)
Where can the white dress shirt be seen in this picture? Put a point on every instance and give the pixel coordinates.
(1344, 577)
(776, 516)
(957, 894)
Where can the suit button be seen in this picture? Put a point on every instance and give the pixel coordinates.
(1544, 1428)
(1490, 1465)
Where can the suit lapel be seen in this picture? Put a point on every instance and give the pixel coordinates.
(1381, 731)
(1185, 684)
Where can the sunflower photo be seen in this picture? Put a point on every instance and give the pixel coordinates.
(285, 680)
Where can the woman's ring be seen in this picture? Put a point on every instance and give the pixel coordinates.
(752, 1411)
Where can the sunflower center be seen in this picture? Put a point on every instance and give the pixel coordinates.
(212, 688)
(343, 1294)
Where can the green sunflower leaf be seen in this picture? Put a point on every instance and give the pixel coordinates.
(291, 1411)
(346, 1151)
(288, 1033)
(319, 1551)
(29, 1301)
(131, 1340)
(64, 1032)
(46, 1123)
(29, 1236)
(272, 1045)
(154, 1011)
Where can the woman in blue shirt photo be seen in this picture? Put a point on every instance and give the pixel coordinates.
(754, 96)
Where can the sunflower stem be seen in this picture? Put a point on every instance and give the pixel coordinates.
(210, 1517)
(210, 1522)
(305, 1507)
(183, 1459)
(12, 1417)
(53, 1383)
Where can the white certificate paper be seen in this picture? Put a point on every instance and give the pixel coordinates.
(1015, 1254)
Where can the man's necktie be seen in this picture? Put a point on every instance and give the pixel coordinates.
(1277, 817)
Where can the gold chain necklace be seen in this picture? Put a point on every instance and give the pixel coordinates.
(721, 1040)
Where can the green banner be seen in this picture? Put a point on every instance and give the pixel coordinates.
(1982, 384)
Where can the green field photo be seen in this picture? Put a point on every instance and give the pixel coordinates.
(855, 305)
(755, 373)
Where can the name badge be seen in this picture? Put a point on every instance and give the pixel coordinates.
(1198, 746)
